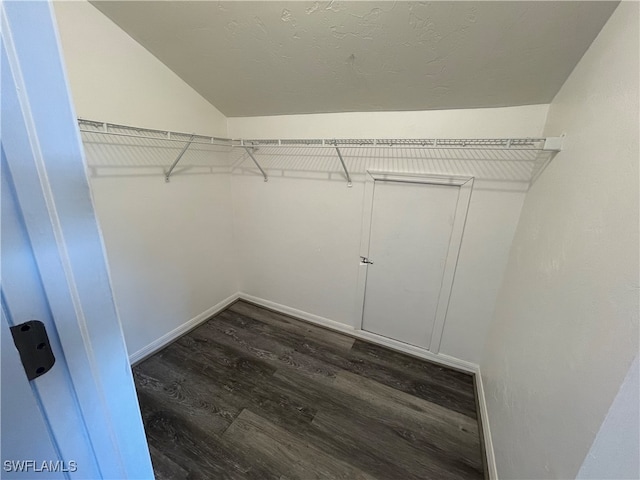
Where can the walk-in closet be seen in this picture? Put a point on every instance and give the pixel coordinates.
(295, 240)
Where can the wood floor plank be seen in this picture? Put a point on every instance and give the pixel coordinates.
(296, 350)
(431, 382)
(287, 453)
(317, 334)
(292, 339)
(274, 350)
(203, 454)
(346, 449)
(399, 402)
(241, 389)
(411, 364)
(378, 363)
(171, 386)
(282, 405)
(292, 410)
(253, 394)
(274, 402)
(445, 436)
(427, 423)
(221, 355)
(385, 445)
(164, 468)
(288, 324)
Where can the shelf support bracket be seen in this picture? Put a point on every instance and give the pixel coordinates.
(248, 149)
(552, 146)
(175, 162)
(344, 167)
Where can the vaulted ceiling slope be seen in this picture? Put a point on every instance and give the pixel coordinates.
(274, 58)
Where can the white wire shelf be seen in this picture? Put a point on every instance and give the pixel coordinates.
(91, 126)
(429, 143)
(537, 152)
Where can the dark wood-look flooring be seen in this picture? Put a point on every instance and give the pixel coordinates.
(253, 394)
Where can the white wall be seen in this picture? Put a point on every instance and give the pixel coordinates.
(298, 235)
(615, 450)
(169, 245)
(523, 121)
(114, 79)
(566, 327)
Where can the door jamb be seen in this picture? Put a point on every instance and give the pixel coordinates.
(53, 193)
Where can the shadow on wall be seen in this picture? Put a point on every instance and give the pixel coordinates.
(495, 169)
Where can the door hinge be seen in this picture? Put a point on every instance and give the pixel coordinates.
(33, 345)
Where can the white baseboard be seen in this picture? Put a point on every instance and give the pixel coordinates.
(361, 334)
(440, 358)
(167, 338)
(310, 317)
(486, 430)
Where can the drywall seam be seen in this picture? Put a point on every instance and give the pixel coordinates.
(486, 429)
(177, 332)
(361, 334)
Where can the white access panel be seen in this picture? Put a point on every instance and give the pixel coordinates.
(410, 234)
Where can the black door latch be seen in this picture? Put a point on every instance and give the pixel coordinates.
(32, 342)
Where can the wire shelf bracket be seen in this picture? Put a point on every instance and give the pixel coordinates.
(344, 167)
(167, 175)
(250, 153)
(552, 146)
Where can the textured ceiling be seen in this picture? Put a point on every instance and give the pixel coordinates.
(272, 58)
